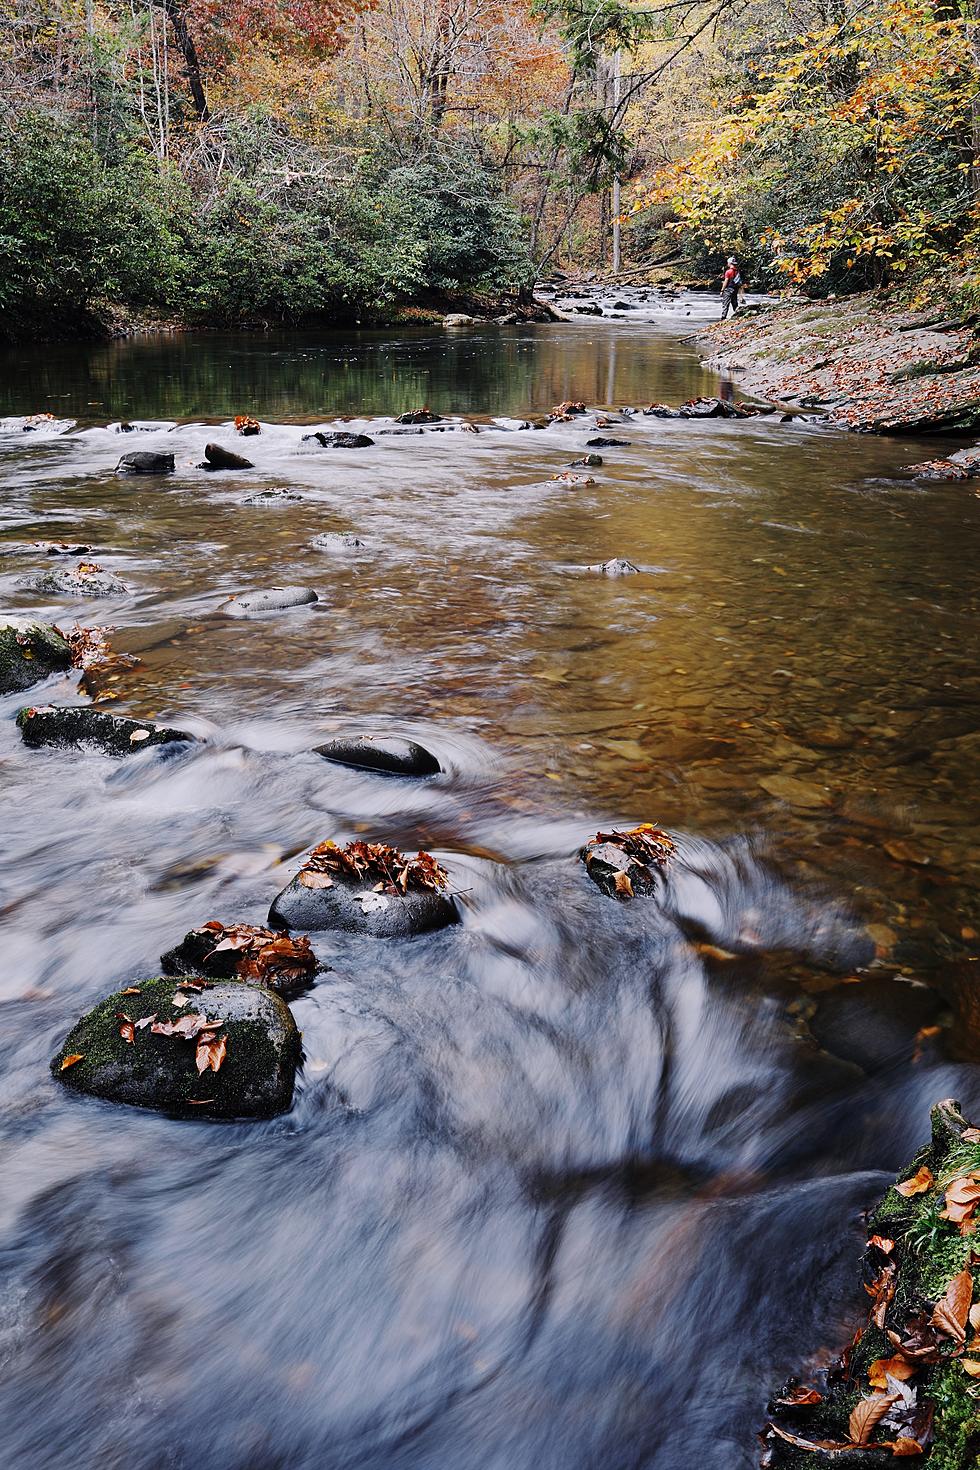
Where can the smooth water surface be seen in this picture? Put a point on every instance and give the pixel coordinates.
(566, 1186)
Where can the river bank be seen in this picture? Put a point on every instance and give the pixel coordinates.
(860, 363)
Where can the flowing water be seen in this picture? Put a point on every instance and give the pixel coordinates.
(566, 1186)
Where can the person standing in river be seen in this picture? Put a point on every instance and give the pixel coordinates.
(731, 287)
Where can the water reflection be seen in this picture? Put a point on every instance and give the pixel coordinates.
(572, 1184)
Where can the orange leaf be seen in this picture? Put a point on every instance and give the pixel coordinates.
(951, 1313)
(903, 1446)
(898, 1367)
(866, 1414)
(918, 1184)
(69, 1061)
(971, 1366)
(885, 1245)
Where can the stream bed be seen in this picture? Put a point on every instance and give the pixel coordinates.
(574, 1184)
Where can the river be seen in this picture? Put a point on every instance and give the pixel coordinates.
(568, 1186)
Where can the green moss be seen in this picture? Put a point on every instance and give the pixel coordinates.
(957, 1400)
(255, 1078)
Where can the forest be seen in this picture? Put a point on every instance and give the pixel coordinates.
(259, 162)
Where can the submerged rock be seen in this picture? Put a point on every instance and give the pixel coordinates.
(146, 462)
(234, 1055)
(29, 652)
(245, 952)
(617, 567)
(388, 754)
(80, 725)
(268, 599)
(337, 541)
(340, 440)
(600, 443)
(873, 1023)
(366, 888)
(218, 458)
(271, 497)
(88, 579)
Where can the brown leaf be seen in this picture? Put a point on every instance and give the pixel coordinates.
(811, 1444)
(918, 1184)
(951, 1313)
(312, 879)
(971, 1366)
(899, 1367)
(970, 1135)
(866, 1414)
(69, 1061)
(800, 1398)
(128, 1032)
(903, 1446)
(210, 1053)
(882, 1290)
(919, 1343)
(200, 1102)
(885, 1245)
(623, 884)
(131, 990)
(962, 1196)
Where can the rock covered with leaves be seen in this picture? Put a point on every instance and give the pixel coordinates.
(366, 888)
(190, 1047)
(627, 864)
(908, 1384)
(246, 952)
(29, 652)
(80, 725)
(88, 579)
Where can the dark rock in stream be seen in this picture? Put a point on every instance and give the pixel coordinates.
(400, 431)
(218, 458)
(81, 725)
(617, 567)
(589, 461)
(387, 754)
(353, 906)
(340, 440)
(29, 652)
(243, 1036)
(419, 416)
(601, 443)
(145, 462)
(267, 599)
(245, 952)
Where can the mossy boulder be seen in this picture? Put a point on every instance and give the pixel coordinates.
(905, 1386)
(80, 725)
(29, 652)
(110, 1054)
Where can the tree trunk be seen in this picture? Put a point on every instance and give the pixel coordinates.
(173, 9)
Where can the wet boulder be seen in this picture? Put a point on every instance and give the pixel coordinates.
(245, 952)
(390, 755)
(419, 416)
(600, 443)
(218, 458)
(81, 725)
(29, 652)
(228, 1050)
(145, 462)
(366, 888)
(339, 440)
(618, 566)
(628, 864)
(588, 461)
(873, 1023)
(337, 541)
(88, 579)
(458, 319)
(268, 599)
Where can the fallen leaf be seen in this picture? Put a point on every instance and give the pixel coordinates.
(128, 1032)
(623, 885)
(131, 990)
(69, 1061)
(951, 1313)
(811, 1444)
(885, 1245)
(918, 1184)
(800, 1398)
(971, 1366)
(898, 1367)
(145, 1021)
(904, 1447)
(866, 1414)
(200, 1102)
(210, 1053)
(311, 879)
(883, 1289)
(139, 735)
